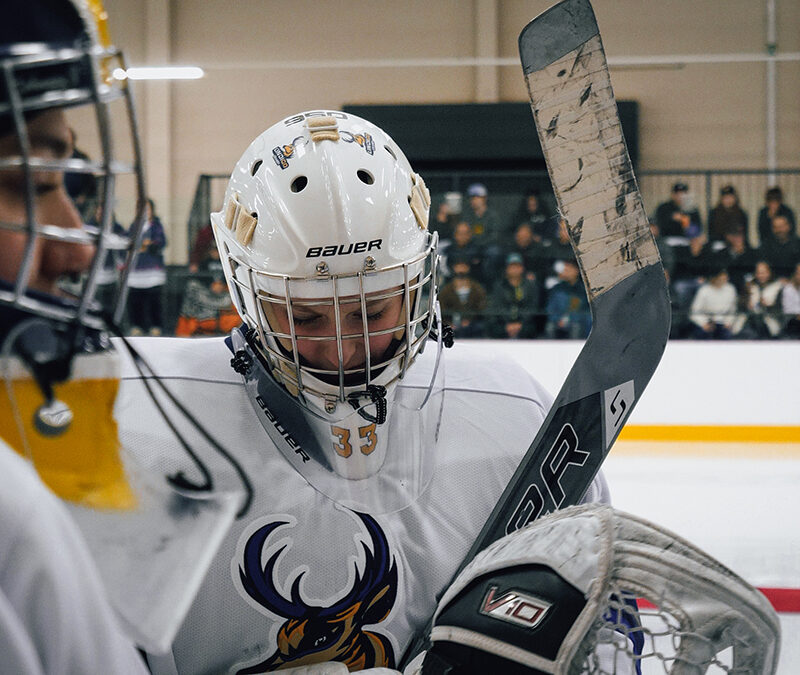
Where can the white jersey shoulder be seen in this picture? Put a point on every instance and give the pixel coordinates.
(472, 366)
(175, 358)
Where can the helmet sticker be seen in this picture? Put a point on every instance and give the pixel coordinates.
(283, 153)
(364, 140)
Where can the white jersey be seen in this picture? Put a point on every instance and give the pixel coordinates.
(54, 617)
(300, 578)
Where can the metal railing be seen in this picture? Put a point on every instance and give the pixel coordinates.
(507, 190)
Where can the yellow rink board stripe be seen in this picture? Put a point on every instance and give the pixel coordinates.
(706, 450)
(711, 434)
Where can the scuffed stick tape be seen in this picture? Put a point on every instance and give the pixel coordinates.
(589, 167)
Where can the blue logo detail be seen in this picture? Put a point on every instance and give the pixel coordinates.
(312, 633)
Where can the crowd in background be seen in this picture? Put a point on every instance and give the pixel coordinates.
(148, 278)
(516, 277)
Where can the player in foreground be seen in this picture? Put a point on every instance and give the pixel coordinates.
(54, 614)
(60, 376)
(376, 454)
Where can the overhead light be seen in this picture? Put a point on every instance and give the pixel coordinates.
(160, 73)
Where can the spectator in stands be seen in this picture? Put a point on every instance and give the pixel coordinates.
(568, 313)
(485, 221)
(761, 303)
(727, 215)
(148, 277)
(692, 266)
(713, 310)
(81, 187)
(463, 300)
(664, 250)
(738, 258)
(790, 304)
(463, 245)
(207, 308)
(444, 219)
(514, 302)
(108, 276)
(203, 241)
(533, 212)
(554, 253)
(531, 250)
(773, 206)
(487, 228)
(782, 250)
(678, 217)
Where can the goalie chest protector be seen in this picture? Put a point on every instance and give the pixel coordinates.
(301, 579)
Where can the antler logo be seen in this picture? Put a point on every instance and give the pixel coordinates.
(312, 633)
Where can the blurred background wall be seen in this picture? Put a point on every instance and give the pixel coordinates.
(266, 59)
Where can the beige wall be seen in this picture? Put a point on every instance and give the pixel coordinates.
(698, 116)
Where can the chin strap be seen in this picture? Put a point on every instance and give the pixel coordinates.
(448, 334)
(48, 354)
(242, 361)
(377, 395)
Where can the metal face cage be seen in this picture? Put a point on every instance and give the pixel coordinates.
(280, 348)
(38, 77)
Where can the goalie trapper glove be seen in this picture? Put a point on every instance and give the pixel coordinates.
(560, 597)
(511, 609)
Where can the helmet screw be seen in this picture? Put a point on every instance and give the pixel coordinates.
(322, 269)
(330, 406)
(369, 264)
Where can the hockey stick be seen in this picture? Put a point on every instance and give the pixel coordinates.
(578, 124)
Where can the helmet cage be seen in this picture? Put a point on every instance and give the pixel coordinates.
(83, 74)
(417, 290)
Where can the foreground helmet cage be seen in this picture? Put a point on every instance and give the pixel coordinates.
(274, 232)
(57, 54)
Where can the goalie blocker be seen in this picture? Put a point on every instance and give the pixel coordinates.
(593, 590)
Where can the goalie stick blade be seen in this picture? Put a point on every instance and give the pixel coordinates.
(578, 125)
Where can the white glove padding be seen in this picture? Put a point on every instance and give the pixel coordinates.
(335, 668)
(559, 591)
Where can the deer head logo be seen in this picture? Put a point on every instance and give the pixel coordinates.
(312, 633)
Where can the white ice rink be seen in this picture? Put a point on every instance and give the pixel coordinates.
(744, 512)
(737, 500)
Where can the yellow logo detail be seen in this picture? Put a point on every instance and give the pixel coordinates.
(100, 16)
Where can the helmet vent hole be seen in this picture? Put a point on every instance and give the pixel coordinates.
(299, 184)
(256, 166)
(391, 152)
(365, 177)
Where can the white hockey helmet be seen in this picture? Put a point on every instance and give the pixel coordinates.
(321, 210)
